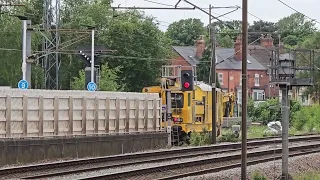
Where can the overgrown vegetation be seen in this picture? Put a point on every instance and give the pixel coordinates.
(257, 175)
(313, 175)
(270, 110)
(200, 139)
(303, 119)
(204, 137)
(307, 119)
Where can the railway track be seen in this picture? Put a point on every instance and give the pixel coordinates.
(204, 166)
(92, 164)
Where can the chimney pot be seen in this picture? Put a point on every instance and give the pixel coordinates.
(266, 41)
(200, 46)
(281, 48)
(238, 48)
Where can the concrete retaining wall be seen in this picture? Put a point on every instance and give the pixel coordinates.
(37, 113)
(13, 151)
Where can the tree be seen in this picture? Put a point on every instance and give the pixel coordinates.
(186, 31)
(295, 28)
(204, 68)
(270, 110)
(108, 80)
(144, 46)
(78, 83)
(225, 35)
(262, 26)
(138, 42)
(313, 42)
(225, 41)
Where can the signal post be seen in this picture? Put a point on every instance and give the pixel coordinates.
(185, 80)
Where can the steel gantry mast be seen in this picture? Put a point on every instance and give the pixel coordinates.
(51, 61)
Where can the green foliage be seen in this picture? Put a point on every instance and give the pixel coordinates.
(203, 69)
(257, 175)
(78, 83)
(200, 139)
(313, 42)
(108, 80)
(270, 110)
(135, 35)
(309, 175)
(307, 118)
(186, 31)
(225, 41)
(262, 26)
(256, 131)
(228, 136)
(295, 28)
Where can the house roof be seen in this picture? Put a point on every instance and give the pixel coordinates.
(188, 53)
(261, 54)
(225, 58)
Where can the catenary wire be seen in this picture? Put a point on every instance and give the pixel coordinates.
(299, 12)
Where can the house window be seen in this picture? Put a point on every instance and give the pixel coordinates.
(256, 80)
(258, 95)
(240, 84)
(220, 78)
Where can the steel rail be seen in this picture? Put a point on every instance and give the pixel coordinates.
(153, 160)
(70, 163)
(236, 165)
(172, 167)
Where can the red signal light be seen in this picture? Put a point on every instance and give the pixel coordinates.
(186, 85)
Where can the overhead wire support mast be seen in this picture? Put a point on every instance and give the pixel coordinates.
(51, 61)
(201, 9)
(213, 78)
(244, 90)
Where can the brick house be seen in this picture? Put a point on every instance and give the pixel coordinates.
(229, 63)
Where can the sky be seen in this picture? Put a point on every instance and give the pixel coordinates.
(267, 10)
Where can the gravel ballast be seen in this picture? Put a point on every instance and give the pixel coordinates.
(272, 170)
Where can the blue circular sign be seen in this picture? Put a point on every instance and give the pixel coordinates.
(91, 86)
(23, 84)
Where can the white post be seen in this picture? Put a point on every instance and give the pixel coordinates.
(92, 57)
(24, 49)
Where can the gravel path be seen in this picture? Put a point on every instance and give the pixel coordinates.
(271, 170)
(133, 167)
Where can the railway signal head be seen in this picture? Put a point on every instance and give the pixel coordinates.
(187, 80)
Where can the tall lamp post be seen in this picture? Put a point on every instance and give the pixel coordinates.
(24, 45)
(92, 53)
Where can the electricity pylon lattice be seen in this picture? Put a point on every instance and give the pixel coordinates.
(51, 60)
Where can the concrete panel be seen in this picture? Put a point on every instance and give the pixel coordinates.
(13, 151)
(34, 113)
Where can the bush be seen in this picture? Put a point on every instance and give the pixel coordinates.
(228, 136)
(307, 118)
(200, 139)
(258, 176)
(270, 110)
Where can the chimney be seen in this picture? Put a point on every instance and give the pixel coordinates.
(238, 48)
(266, 42)
(200, 46)
(281, 48)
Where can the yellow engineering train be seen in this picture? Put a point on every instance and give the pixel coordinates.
(192, 110)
